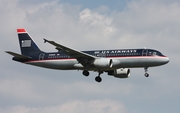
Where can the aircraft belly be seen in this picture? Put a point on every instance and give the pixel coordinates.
(65, 64)
(55, 64)
(39, 64)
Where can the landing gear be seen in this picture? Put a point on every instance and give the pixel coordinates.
(146, 70)
(98, 78)
(85, 73)
(146, 75)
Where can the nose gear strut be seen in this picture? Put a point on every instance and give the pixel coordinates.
(146, 70)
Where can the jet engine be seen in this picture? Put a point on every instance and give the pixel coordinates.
(103, 63)
(106, 63)
(120, 73)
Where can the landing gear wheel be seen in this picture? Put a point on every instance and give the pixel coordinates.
(146, 75)
(98, 79)
(85, 73)
(146, 70)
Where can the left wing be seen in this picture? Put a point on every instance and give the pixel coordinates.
(82, 57)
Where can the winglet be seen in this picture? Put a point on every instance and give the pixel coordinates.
(21, 30)
(45, 40)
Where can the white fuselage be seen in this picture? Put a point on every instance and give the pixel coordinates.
(124, 62)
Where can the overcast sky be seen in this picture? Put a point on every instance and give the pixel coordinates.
(89, 25)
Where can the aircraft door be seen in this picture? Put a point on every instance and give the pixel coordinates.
(41, 56)
(144, 52)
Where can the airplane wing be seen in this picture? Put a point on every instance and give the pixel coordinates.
(82, 57)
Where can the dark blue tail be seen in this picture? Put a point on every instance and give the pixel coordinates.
(27, 45)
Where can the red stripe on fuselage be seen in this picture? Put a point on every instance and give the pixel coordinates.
(99, 57)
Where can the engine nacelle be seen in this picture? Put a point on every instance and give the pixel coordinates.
(120, 73)
(103, 63)
(115, 63)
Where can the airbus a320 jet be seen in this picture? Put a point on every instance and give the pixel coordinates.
(113, 62)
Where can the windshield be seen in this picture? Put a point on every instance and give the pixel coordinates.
(154, 53)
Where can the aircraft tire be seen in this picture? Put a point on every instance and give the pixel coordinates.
(85, 73)
(98, 79)
(146, 75)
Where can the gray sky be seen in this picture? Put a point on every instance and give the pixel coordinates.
(88, 26)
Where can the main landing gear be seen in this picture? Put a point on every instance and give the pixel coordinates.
(97, 79)
(85, 73)
(146, 70)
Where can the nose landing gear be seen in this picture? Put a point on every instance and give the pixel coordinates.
(146, 70)
(146, 75)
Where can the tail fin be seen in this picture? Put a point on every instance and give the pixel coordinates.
(27, 45)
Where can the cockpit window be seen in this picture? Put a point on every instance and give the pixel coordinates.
(149, 53)
(154, 53)
(159, 54)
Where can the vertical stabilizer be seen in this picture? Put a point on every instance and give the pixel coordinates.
(27, 45)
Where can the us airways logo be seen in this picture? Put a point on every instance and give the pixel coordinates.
(116, 51)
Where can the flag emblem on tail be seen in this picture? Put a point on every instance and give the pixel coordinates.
(26, 43)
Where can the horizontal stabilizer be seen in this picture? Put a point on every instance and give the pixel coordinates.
(17, 55)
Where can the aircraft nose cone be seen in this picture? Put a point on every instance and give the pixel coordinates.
(166, 60)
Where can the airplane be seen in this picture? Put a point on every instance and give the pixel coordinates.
(114, 62)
